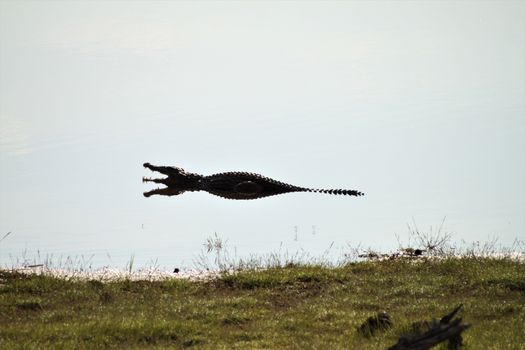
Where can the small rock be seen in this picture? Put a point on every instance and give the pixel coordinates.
(379, 322)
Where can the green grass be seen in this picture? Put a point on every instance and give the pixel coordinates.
(298, 307)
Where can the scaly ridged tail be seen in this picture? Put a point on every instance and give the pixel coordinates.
(341, 192)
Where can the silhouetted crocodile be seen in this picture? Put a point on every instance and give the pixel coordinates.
(231, 185)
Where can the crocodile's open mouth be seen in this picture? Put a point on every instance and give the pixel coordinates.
(165, 191)
(149, 179)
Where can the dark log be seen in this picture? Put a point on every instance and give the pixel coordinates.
(447, 328)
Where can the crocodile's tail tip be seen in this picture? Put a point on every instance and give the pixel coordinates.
(351, 193)
(340, 192)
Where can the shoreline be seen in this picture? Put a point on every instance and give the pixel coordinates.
(115, 274)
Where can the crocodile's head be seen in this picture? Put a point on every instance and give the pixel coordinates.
(177, 182)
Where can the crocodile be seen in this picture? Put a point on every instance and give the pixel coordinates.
(230, 185)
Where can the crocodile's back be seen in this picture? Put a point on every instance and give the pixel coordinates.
(243, 185)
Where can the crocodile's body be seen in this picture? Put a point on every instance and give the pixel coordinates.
(231, 185)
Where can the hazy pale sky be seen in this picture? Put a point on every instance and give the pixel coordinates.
(421, 105)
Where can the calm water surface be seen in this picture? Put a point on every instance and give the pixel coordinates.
(419, 105)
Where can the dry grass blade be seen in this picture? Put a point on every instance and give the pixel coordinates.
(5, 236)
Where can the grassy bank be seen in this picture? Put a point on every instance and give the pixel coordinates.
(292, 307)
